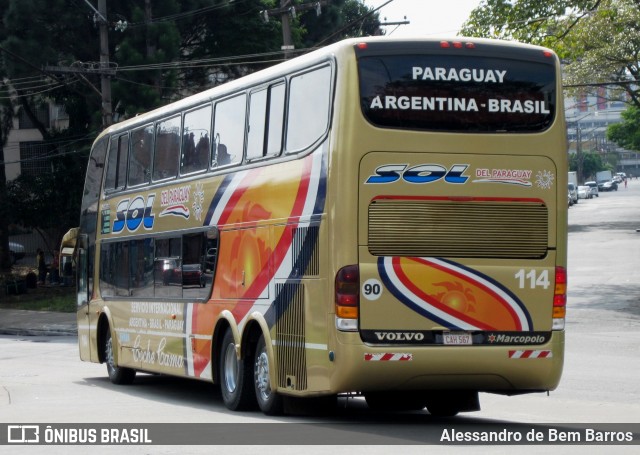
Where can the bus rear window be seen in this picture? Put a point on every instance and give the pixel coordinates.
(457, 94)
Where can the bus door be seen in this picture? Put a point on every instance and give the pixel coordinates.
(82, 294)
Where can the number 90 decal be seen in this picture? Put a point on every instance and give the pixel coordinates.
(372, 289)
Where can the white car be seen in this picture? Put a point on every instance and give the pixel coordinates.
(16, 251)
(584, 192)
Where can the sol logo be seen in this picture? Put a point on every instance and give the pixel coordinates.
(132, 214)
(422, 173)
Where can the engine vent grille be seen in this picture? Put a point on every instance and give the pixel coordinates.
(290, 337)
(447, 228)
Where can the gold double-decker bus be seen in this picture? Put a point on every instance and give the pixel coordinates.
(381, 217)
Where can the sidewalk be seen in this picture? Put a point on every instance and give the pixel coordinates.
(37, 323)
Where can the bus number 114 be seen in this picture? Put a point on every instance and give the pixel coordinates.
(534, 279)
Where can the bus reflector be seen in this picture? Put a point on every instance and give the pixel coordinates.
(347, 289)
(560, 299)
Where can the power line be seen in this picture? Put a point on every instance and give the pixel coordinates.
(184, 15)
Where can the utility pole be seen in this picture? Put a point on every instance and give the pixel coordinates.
(287, 42)
(104, 68)
(105, 81)
(579, 157)
(287, 11)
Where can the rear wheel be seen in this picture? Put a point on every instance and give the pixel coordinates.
(450, 403)
(117, 375)
(269, 401)
(235, 376)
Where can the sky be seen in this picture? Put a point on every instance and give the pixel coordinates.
(427, 17)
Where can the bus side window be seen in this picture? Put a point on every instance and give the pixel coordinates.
(140, 159)
(275, 119)
(309, 108)
(257, 120)
(168, 267)
(141, 267)
(167, 149)
(266, 116)
(195, 140)
(228, 131)
(117, 162)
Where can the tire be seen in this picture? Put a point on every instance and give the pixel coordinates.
(117, 375)
(236, 374)
(450, 403)
(269, 401)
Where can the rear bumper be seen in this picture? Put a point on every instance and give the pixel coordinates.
(503, 369)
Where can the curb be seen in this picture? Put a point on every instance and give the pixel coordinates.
(37, 332)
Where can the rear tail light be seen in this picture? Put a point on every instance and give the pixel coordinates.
(457, 45)
(347, 297)
(560, 299)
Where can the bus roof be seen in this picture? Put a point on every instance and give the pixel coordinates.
(299, 63)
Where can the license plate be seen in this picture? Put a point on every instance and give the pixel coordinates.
(457, 339)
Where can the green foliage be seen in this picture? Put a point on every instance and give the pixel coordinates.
(627, 133)
(49, 200)
(591, 163)
(598, 40)
(339, 20)
(169, 49)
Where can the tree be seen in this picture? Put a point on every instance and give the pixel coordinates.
(5, 259)
(591, 163)
(49, 202)
(168, 49)
(627, 133)
(339, 20)
(599, 40)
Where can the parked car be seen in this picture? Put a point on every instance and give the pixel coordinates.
(617, 178)
(16, 252)
(573, 191)
(584, 192)
(609, 185)
(593, 186)
(192, 275)
(185, 274)
(570, 200)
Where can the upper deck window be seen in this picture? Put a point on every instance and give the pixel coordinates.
(196, 142)
(266, 115)
(117, 164)
(309, 103)
(228, 131)
(167, 148)
(461, 93)
(141, 152)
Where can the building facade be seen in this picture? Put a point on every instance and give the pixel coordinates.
(588, 117)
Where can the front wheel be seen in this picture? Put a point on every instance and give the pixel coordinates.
(269, 401)
(117, 375)
(235, 376)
